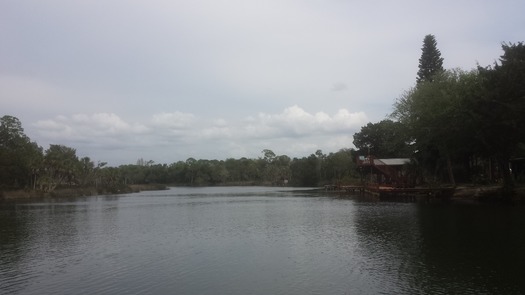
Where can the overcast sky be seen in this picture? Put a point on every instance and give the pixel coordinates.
(120, 80)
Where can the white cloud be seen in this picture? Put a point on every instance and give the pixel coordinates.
(95, 128)
(107, 123)
(169, 130)
(175, 120)
(295, 121)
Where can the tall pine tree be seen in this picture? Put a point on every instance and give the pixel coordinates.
(431, 61)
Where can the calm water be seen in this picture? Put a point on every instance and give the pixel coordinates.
(258, 241)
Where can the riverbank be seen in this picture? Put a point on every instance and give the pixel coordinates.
(461, 193)
(488, 193)
(79, 192)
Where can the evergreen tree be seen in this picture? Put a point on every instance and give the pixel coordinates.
(431, 61)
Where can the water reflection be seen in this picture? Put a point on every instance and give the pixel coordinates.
(477, 248)
(195, 241)
(438, 248)
(389, 239)
(13, 234)
(48, 238)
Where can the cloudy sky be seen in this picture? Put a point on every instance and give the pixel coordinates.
(161, 80)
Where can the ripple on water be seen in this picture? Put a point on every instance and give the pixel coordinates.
(195, 242)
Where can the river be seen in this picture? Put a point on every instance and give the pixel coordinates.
(258, 240)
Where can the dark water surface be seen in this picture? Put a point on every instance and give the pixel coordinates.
(258, 241)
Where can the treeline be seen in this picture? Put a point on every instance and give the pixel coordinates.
(457, 125)
(270, 169)
(25, 165)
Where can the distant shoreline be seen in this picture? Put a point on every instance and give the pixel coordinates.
(476, 193)
(79, 192)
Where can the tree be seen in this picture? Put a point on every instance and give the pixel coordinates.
(303, 171)
(218, 172)
(439, 120)
(176, 172)
(340, 166)
(11, 132)
(248, 170)
(19, 157)
(269, 155)
(61, 166)
(110, 178)
(86, 171)
(386, 139)
(191, 170)
(430, 62)
(275, 168)
(282, 163)
(501, 108)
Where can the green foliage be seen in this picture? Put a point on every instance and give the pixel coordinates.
(318, 168)
(386, 139)
(438, 118)
(305, 171)
(501, 105)
(61, 166)
(19, 157)
(11, 133)
(430, 62)
(457, 117)
(499, 111)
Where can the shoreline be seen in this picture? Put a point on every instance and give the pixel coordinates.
(488, 193)
(462, 193)
(78, 192)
